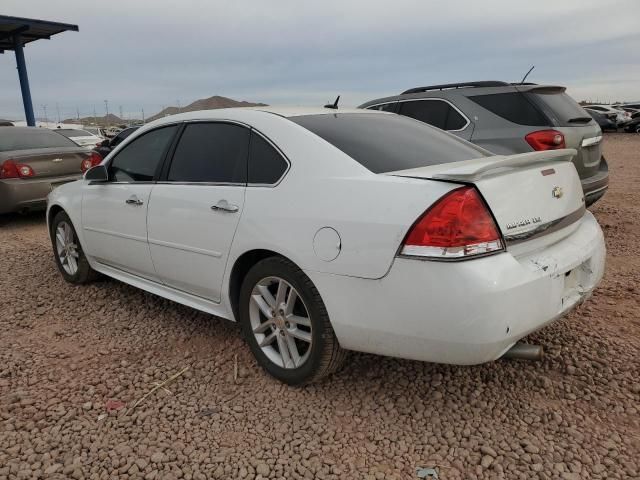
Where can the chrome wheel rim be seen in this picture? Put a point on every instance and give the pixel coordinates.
(67, 248)
(280, 322)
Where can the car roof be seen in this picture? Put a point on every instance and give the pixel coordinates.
(280, 111)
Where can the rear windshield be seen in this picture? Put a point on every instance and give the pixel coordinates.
(388, 142)
(73, 133)
(15, 138)
(563, 110)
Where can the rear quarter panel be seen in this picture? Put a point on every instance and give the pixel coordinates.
(326, 188)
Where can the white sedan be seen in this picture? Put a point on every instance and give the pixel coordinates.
(324, 230)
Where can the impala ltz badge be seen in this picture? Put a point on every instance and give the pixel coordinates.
(56, 160)
(557, 192)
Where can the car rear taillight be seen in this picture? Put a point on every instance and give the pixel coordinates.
(545, 140)
(94, 159)
(11, 169)
(457, 226)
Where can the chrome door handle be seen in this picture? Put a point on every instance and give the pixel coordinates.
(133, 200)
(225, 206)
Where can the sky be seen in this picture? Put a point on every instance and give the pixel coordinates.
(149, 54)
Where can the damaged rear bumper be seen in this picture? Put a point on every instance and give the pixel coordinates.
(464, 312)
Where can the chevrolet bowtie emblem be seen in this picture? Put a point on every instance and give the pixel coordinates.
(56, 160)
(557, 192)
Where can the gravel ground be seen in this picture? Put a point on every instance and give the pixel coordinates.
(69, 355)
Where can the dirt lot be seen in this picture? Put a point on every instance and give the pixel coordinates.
(66, 352)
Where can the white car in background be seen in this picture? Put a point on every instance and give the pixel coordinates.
(619, 116)
(81, 138)
(324, 230)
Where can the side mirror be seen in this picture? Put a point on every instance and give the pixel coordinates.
(97, 174)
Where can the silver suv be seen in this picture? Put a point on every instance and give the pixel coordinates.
(508, 118)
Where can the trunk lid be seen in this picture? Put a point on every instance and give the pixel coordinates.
(50, 162)
(535, 197)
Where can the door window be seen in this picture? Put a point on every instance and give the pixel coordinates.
(138, 161)
(211, 153)
(434, 112)
(266, 165)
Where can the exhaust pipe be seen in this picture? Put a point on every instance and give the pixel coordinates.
(525, 351)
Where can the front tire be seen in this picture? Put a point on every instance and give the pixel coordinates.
(286, 324)
(70, 258)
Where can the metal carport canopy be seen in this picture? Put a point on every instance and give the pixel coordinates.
(15, 32)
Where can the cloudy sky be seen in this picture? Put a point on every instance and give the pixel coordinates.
(148, 54)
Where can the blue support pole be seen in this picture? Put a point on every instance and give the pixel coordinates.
(24, 82)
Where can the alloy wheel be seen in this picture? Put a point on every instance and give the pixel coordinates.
(67, 248)
(280, 322)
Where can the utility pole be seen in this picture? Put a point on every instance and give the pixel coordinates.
(106, 107)
(121, 112)
(143, 115)
(77, 113)
(94, 115)
(58, 110)
(178, 102)
(46, 120)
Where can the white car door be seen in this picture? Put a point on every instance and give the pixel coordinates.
(114, 213)
(195, 209)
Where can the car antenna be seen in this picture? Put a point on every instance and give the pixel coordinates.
(525, 77)
(333, 105)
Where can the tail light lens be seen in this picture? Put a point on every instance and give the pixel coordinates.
(459, 225)
(545, 140)
(11, 169)
(91, 161)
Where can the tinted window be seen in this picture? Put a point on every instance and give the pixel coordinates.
(385, 107)
(211, 152)
(512, 106)
(17, 138)
(434, 112)
(560, 107)
(266, 165)
(385, 143)
(138, 161)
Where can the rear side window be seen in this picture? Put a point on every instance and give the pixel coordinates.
(512, 106)
(266, 165)
(385, 107)
(434, 112)
(211, 152)
(139, 160)
(17, 138)
(386, 143)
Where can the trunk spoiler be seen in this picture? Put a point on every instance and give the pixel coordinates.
(477, 168)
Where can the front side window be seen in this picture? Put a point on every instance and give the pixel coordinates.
(434, 112)
(212, 153)
(266, 165)
(138, 161)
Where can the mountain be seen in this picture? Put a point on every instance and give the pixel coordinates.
(110, 119)
(210, 103)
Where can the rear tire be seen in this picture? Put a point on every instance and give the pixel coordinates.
(67, 251)
(286, 324)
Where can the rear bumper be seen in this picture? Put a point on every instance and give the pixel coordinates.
(18, 194)
(596, 186)
(463, 312)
